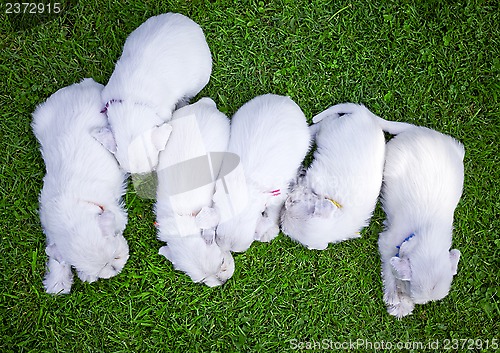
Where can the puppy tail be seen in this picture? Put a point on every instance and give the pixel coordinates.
(338, 110)
(392, 127)
(333, 112)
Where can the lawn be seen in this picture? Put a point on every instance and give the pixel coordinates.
(432, 63)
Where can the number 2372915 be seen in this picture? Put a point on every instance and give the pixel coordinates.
(32, 8)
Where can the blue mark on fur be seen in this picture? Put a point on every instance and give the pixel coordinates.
(405, 240)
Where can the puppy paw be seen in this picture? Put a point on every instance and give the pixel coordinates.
(86, 278)
(55, 285)
(267, 235)
(58, 278)
(318, 246)
(212, 281)
(207, 218)
(401, 309)
(391, 298)
(62, 286)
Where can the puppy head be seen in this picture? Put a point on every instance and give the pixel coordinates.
(307, 213)
(202, 262)
(238, 232)
(236, 235)
(91, 241)
(426, 275)
(221, 271)
(136, 137)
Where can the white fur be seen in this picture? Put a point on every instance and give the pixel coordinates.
(80, 204)
(165, 62)
(270, 135)
(423, 179)
(336, 197)
(202, 262)
(178, 215)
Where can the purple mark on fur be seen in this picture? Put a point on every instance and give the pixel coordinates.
(405, 240)
(105, 109)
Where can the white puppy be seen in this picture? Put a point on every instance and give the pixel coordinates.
(270, 135)
(80, 204)
(423, 180)
(164, 63)
(336, 197)
(186, 173)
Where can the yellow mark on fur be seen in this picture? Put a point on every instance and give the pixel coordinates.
(338, 205)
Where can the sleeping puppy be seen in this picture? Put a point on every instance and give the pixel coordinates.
(187, 170)
(423, 180)
(164, 63)
(270, 135)
(202, 262)
(80, 204)
(336, 197)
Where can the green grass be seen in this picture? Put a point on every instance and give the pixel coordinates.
(433, 63)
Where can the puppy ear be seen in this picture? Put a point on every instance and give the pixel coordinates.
(165, 251)
(105, 137)
(160, 135)
(401, 268)
(323, 208)
(107, 223)
(454, 257)
(207, 218)
(208, 236)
